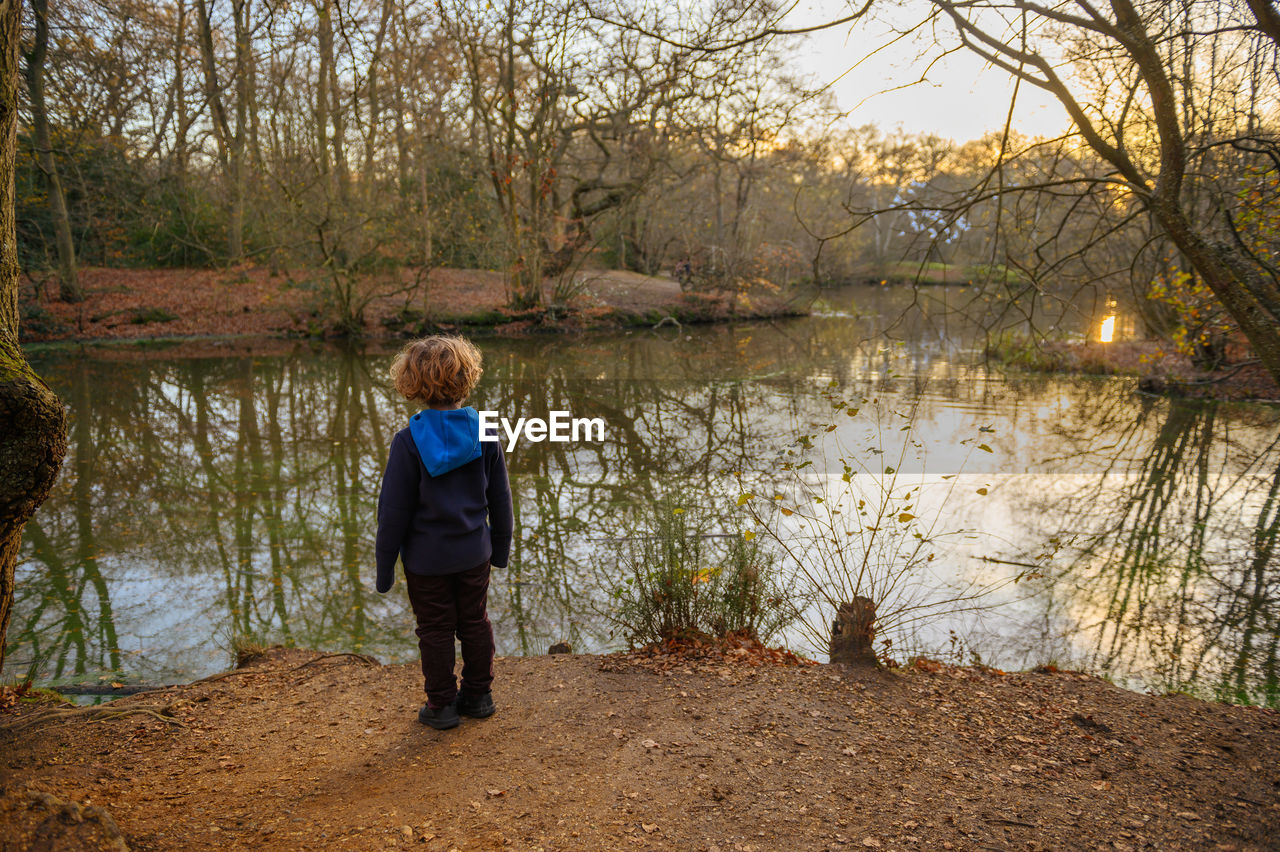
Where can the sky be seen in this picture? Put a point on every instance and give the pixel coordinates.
(962, 99)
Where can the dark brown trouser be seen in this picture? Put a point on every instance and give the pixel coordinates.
(445, 606)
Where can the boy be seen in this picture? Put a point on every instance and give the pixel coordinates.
(445, 510)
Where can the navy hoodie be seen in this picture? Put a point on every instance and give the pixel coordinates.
(445, 504)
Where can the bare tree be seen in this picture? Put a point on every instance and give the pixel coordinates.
(1171, 100)
(231, 137)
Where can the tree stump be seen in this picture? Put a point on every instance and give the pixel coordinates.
(853, 633)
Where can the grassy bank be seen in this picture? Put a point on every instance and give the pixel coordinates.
(301, 750)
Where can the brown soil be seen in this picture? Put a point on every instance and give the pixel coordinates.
(150, 303)
(306, 751)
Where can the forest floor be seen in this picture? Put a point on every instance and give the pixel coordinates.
(736, 750)
(155, 303)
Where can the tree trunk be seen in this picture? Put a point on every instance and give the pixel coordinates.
(230, 154)
(235, 230)
(68, 278)
(34, 439)
(180, 97)
(325, 36)
(375, 109)
(402, 146)
(1253, 302)
(853, 633)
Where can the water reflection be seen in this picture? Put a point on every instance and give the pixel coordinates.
(230, 491)
(1173, 571)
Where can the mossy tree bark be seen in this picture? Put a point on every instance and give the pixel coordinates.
(33, 434)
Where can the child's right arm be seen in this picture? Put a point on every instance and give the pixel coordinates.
(396, 504)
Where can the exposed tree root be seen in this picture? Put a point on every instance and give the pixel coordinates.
(99, 713)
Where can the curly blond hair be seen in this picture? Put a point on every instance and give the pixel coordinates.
(437, 371)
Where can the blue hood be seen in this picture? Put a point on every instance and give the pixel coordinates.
(446, 439)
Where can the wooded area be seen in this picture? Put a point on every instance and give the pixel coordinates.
(375, 139)
(366, 142)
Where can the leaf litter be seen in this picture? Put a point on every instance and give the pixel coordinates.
(650, 750)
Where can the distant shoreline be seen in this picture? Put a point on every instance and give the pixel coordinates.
(151, 305)
(1157, 369)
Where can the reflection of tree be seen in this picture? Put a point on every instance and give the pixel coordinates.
(354, 520)
(1250, 609)
(1177, 576)
(571, 501)
(77, 639)
(84, 458)
(235, 495)
(242, 489)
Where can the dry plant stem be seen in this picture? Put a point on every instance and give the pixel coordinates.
(842, 558)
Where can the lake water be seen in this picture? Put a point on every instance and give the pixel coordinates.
(227, 489)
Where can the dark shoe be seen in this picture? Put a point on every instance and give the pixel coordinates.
(440, 718)
(476, 706)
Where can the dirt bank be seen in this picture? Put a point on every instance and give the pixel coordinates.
(150, 303)
(302, 751)
(1158, 368)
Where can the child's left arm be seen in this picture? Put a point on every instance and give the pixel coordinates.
(396, 504)
(501, 522)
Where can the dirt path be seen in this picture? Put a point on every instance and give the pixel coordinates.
(602, 753)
